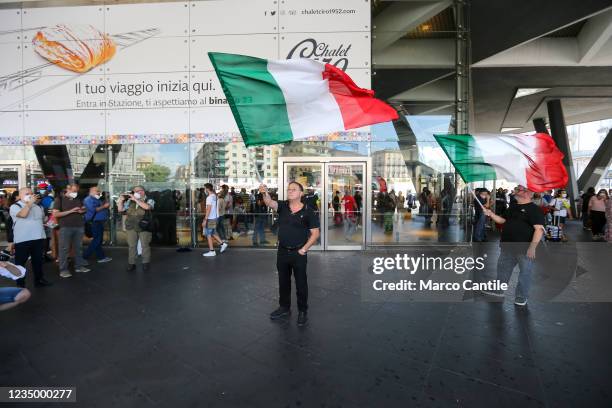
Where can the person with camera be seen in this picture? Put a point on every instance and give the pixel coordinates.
(96, 216)
(298, 230)
(138, 224)
(68, 210)
(11, 296)
(29, 234)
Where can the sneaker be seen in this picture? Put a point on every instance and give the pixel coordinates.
(280, 312)
(209, 253)
(81, 269)
(104, 260)
(223, 247)
(496, 293)
(131, 267)
(302, 319)
(520, 301)
(65, 274)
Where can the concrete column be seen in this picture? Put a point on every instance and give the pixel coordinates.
(559, 134)
(539, 125)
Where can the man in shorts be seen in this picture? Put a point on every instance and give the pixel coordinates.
(12, 296)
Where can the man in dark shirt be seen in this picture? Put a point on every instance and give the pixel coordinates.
(298, 231)
(523, 230)
(68, 209)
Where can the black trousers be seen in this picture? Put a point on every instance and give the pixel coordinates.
(598, 222)
(33, 249)
(289, 261)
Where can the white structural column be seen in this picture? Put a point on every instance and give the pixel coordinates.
(402, 16)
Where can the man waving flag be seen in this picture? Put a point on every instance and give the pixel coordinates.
(277, 101)
(532, 161)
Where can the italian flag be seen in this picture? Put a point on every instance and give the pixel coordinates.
(280, 101)
(533, 161)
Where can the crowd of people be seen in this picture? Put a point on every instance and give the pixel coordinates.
(595, 211)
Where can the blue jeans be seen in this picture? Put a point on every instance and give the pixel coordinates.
(221, 228)
(8, 295)
(505, 265)
(480, 228)
(95, 246)
(350, 225)
(260, 223)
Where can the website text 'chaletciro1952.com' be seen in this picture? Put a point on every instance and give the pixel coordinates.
(328, 11)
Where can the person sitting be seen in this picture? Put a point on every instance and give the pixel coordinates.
(12, 296)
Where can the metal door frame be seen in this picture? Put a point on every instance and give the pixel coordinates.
(20, 166)
(325, 162)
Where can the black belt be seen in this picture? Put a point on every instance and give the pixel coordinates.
(291, 248)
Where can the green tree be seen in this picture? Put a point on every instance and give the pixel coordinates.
(156, 173)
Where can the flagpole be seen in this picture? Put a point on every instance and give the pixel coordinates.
(474, 194)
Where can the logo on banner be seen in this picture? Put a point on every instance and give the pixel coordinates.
(320, 51)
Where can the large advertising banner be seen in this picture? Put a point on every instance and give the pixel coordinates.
(131, 68)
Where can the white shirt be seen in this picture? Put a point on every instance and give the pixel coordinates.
(560, 205)
(212, 201)
(7, 274)
(29, 228)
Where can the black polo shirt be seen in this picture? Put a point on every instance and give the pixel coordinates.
(294, 228)
(520, 219)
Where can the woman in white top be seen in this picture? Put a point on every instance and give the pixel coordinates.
(209, 225)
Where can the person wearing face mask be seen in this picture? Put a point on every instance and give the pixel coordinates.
(522, 232)
(561, 208)
(97, 215)
(68, 210)
(137, 208)
(597, 212)
(29, 235)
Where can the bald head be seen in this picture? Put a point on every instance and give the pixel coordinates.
(23, 191)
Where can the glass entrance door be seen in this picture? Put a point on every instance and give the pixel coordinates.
(310, 176)
(338, 190)
(345, 215)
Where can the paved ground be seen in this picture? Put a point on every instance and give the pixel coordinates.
(195, 332)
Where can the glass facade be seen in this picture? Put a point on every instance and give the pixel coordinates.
(174, 176)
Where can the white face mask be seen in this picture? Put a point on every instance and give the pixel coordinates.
(27, 198)
(97, 196)
(41, 192)
(564, 195)
(72, 195)
(137, 196)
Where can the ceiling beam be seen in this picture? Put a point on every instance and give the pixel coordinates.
(407, 53)
(545, 52)
(400, 17)
(594, 35)
(439, 91)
